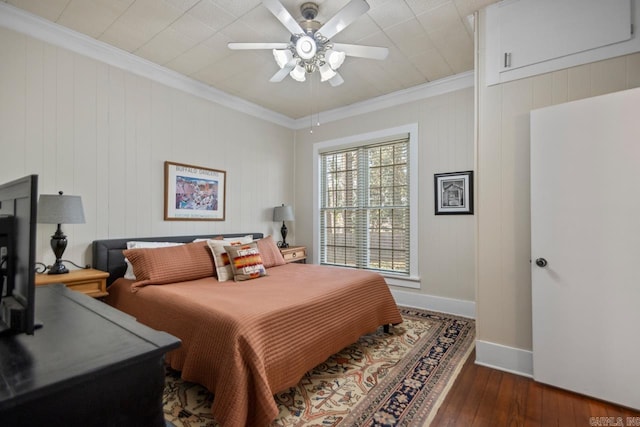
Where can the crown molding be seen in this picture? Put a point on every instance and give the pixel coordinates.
(415, 93)
(33, 26)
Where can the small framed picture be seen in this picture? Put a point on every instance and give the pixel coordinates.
(454, 193)
(193, 193)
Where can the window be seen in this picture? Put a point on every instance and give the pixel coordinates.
(365, 207)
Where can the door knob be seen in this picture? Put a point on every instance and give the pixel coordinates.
(541, 262)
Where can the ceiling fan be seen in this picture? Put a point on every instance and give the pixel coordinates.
(310, 47)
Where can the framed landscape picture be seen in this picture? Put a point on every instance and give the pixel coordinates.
(454, 193)
(193, 193)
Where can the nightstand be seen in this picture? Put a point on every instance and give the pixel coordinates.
(89, 281)
(294, 254)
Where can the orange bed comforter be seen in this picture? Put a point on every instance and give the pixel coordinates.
(247, 341)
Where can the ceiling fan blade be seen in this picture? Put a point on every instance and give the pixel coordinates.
(336, 80)
(283, 72)
(343, 18)
(283, 16)
(249, 46)
(371, 52)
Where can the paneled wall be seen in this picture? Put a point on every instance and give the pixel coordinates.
(504, 244)
(90, 129)
(446, 243)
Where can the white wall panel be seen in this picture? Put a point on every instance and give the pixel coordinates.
(91, 129)
(13, 103)
(34, 111)
(161, 142)
(117, 154)
(84, 147)
(65, 121)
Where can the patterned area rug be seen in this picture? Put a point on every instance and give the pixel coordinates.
(396, 379)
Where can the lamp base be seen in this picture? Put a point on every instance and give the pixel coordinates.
(58, 268)
(283, 231)
(58, 244)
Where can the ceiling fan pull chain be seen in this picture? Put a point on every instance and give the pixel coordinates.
(318, 114)
(311, 105)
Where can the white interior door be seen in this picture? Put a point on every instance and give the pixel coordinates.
(585, 222)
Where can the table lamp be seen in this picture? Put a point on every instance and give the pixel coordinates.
(59, 209)
(283, 213)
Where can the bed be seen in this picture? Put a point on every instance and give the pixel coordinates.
(246, 341)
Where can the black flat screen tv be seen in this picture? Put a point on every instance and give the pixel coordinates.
(18, 220)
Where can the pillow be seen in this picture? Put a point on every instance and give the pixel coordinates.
(150, 245)
(134, 245)
(248, 237)
(220, 257)
(204, 239)
(270, 253)
(158, 266)
(245, 261)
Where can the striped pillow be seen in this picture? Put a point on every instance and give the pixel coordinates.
(220, 257)
(246, 262)
(271, 255)
(158, 266)
(139, 245)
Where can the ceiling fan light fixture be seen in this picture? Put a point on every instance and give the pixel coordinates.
(334, 58)
(306, 47)
(283, 57)
(310, 67)
(298, 74)
(326, 72)
(310, 48)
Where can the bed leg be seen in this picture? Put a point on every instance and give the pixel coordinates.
(385, 328)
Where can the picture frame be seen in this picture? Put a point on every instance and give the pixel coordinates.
(194, 193)
(453, 193)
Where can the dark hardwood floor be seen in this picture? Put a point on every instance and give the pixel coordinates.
(483, 396)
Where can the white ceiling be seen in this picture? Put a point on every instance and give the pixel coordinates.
(427, 40)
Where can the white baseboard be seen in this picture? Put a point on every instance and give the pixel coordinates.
(429, 302)
(489, 354)
(504, 358)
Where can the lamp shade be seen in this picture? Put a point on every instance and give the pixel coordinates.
(60, 209)
(298, 74)
(334, 58)
(283, 57)
(283, 213)
(326, 72)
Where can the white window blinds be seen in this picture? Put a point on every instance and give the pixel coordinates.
(364, 207)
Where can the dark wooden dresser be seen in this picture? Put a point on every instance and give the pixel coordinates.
(89, 365)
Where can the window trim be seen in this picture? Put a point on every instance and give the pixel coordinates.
(413, 279)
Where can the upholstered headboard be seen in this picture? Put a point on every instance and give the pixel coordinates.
(107, 253)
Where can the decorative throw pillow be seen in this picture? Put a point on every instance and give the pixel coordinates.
(246, 261)
(138, 245)
(220, 257)
(271, 255)
(158, 266)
